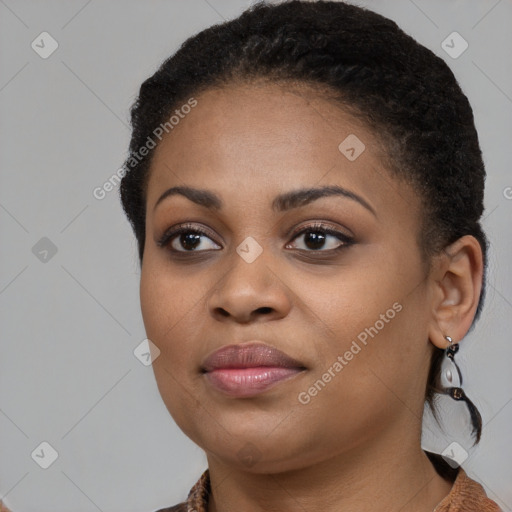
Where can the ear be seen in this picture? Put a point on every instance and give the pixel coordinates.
(456, 283)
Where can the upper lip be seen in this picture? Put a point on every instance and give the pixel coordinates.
(248, 355)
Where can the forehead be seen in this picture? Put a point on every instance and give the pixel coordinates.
(254, 140)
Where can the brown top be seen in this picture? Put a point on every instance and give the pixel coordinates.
(466, 494)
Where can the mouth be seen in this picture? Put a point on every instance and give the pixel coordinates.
(248, 369)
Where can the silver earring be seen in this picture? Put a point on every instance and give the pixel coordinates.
(450, 372)
(450, 352)
(453, 389)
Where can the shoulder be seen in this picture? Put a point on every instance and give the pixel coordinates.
(467, 495)
(197, 500)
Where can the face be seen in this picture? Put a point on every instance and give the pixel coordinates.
(334, 280)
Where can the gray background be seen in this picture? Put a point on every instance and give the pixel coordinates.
(70, 322)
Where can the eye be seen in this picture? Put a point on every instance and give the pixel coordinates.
(187, 238)
(319, 236)
(316, 238)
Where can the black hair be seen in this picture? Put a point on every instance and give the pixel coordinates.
(366, 63)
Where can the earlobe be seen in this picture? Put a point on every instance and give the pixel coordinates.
(457, 284)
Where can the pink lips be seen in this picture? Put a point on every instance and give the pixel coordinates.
(248, 369)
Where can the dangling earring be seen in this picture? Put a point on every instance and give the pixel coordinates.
(456, 392)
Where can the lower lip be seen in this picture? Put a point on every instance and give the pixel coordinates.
(244, 382)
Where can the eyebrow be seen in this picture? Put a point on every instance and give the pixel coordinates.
(281, 203)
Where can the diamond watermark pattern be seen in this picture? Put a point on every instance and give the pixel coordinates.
(146, 352)
(249, 249)
(454, 45)
(44, 45)
(44, 250)
(455, 455)
(45, 455)
(249, 455)
(352, 147)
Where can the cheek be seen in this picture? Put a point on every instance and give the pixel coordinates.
(154, 302)
(174, 314)
(352, 300)
(374, 319)
(163, 304)
(164, 310)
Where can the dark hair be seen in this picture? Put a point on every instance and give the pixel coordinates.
(366, 63)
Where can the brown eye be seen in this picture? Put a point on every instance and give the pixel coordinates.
(321, 238)
(187, 238)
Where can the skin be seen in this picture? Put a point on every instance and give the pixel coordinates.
(356, 444)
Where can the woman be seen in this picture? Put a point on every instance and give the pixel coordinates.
(305, 184)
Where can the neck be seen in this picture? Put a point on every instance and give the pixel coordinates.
(366, 478)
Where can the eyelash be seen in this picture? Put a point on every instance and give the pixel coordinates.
(316, 227)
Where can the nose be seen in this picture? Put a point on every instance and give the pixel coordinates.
(250, 292)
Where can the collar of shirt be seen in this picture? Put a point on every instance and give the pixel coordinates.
(466, 495)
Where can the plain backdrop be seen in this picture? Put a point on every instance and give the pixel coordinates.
(69, 304)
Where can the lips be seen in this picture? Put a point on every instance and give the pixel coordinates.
(248, 369)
